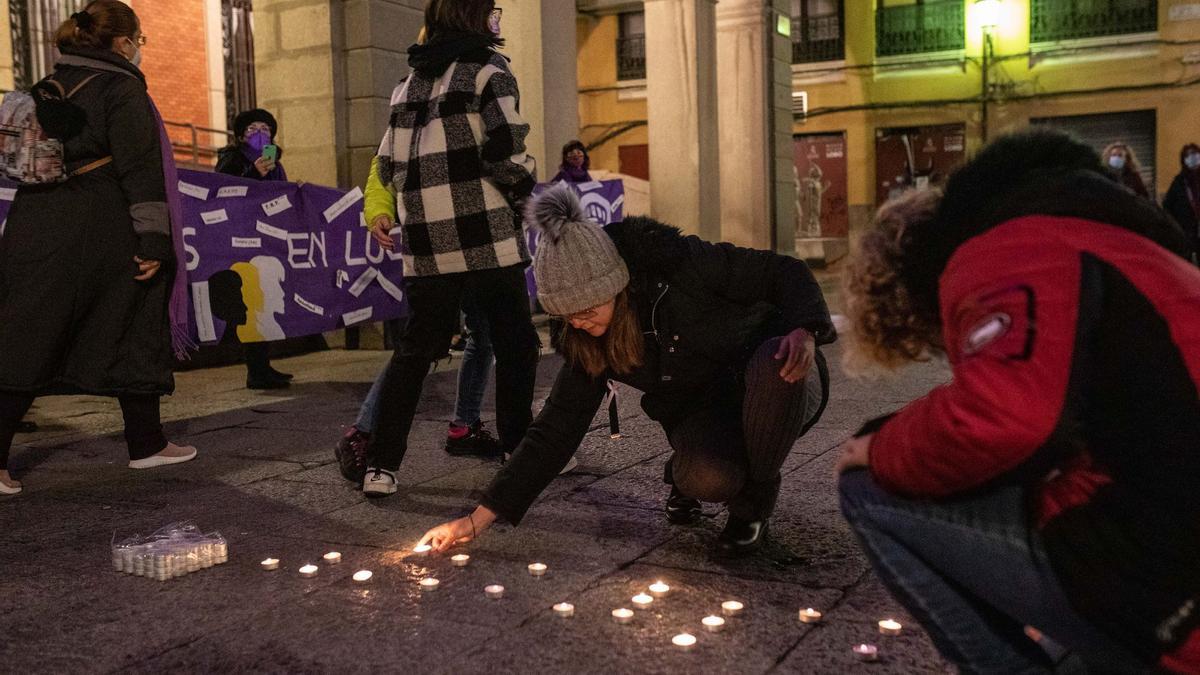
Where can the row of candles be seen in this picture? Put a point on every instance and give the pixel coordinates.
(623, 615)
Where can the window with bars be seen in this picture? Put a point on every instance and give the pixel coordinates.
(237, 29)
(32, 24)
(920, 27)
(1052, 20)
(818, 31)
(631, 47)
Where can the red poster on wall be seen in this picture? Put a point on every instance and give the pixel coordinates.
(916, 157)
(821, 186)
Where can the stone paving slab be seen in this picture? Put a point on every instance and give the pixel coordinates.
(267, 481)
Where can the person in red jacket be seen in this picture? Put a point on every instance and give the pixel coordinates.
(1042, 505)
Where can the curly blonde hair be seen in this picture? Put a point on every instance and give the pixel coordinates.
(888, 328)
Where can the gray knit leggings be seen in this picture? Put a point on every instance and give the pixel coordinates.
(732, 452)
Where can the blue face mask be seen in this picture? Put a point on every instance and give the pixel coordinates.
(259, 140)
(1117, 162)
(1192, 161)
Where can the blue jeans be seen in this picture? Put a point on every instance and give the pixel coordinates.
(472, 375)
(975, 574)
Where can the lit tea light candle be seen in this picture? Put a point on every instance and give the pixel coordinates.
(333, 557)
(460, 560)
(538, 569)
(659, 590)
(270, 564)
(309, 571)
(732, 608)
(714, 624)
(866, 652)
(495, 591)
(363, 576)
(890, 627)
(429, 584)
(684, 641)
(423, 548)
(565, 610)
(642, 601)
(810, 615)
(622, 615)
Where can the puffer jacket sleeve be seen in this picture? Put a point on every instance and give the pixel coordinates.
(133, 137)
(503, 153)
(549, 444)
(378, 199)
(748, 276)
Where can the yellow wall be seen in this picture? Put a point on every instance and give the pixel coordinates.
(6, 58)
(1029, 78)
(599, 104)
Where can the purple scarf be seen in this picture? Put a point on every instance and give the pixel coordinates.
(181, 343)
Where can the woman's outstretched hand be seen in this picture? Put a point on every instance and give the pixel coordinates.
(460, 531)
(798, 351)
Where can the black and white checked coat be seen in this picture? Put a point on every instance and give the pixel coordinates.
(455, 154)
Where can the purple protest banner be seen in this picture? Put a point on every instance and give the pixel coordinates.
(268, 260)
(602, 201)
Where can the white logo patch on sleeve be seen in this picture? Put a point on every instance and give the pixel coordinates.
(989, 329)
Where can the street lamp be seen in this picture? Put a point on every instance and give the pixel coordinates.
(988, 14)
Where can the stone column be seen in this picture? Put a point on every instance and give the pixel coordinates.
(681, 86)
(540, 37)
(754, 87)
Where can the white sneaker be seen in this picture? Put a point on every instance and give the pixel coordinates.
(379, 483)
(7, 489)
(179, 455)
(572, 463)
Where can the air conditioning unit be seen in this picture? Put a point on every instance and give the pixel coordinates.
(800, 103)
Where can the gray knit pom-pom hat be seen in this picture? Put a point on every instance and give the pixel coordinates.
(576, 266)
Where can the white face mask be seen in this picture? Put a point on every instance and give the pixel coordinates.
(1192, 161)
(1117, 162)
(136, 59)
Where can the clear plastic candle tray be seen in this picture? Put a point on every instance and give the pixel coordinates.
(173, 551)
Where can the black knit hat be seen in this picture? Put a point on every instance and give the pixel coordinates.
(247, 117)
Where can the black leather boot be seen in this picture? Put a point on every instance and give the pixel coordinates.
(741, 537)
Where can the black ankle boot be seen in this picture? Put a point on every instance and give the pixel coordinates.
(741, 537)
(682, 510)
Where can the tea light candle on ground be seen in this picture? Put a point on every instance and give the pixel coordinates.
(714, 624)
(890, 627)
(309, 571)
(642, 601)
(270, 564)
(659, 590)
(732, 608)
(565, 610)
(429, 584)
(460, 560)
(538, 569)
(333, 557)
(810, 615)
(495, 591)
(622, 615)
(423, 548)
(684, 641)
(866, 652)
(363, 576)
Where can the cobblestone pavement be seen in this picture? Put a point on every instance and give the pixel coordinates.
(266, 480)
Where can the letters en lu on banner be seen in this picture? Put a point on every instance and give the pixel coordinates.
(268, 260)
(602, 201)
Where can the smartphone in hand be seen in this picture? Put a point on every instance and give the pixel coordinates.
(270, 153)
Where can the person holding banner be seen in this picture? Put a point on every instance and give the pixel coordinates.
(449, 175)
(256, 155)
(89, 292)
(723, 342)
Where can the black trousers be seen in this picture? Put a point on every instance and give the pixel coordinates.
(732, 452)
(433, 320)
(143, 425)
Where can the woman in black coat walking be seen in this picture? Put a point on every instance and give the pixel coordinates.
(250, 157)
(86, 266)
(723, 341)
(1183, 198)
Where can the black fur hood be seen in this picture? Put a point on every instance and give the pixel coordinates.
(649, 247)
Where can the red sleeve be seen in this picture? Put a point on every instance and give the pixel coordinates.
(1010, 314)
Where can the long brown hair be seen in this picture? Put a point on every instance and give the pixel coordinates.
(620, 349)
(464, 16)
(111, 19)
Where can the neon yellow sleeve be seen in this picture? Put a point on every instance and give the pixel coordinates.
(378, 199)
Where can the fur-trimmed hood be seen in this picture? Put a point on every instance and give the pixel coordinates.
(649, 247)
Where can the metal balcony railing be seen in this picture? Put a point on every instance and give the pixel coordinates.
(818, 38)
(1052, 20)
(920, 29)
(631, 58)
